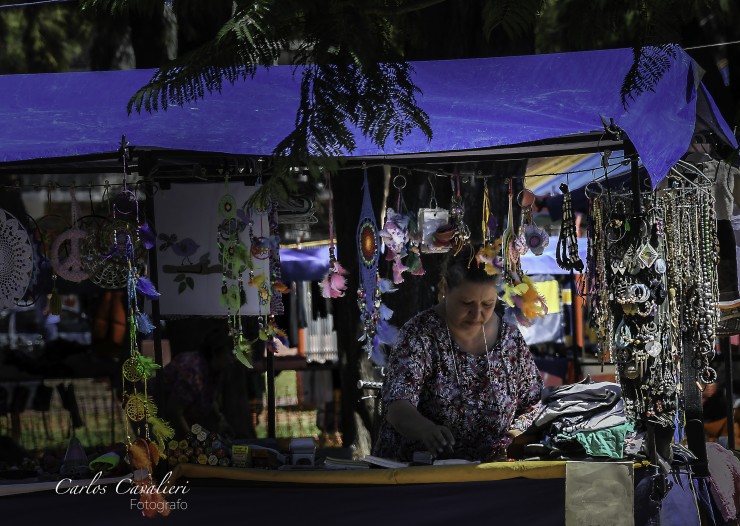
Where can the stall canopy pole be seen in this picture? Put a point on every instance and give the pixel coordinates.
(146, 168)
(726, 347)
(631, 154)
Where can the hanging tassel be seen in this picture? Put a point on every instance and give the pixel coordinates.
(398, 269)
(146, 287)
(334, 283)
(376, 355)
(55, 302)
(386, 286)
(387, 334)
(385, 312)
(147, 236)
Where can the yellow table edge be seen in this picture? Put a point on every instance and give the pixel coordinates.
(410, 475)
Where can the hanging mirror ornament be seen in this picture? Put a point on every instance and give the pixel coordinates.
(71, 267)
(16, 260)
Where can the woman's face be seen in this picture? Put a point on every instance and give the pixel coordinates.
(470, 305)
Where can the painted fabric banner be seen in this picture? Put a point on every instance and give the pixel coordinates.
(188, 226)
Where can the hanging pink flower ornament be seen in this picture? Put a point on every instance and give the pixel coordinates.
(536, 239)
(334, 283)
(395, 237)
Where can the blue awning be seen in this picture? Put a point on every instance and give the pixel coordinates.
(472, 104)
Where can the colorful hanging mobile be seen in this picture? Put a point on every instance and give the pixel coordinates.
(399, 236)
(520, 293)
(16, 255)
(334, 283)
(235, 259)
(143, 453)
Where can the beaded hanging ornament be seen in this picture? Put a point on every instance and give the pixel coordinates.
(334, 283)
(566, 254)
(374, 315)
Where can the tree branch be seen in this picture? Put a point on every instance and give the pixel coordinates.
(418, 6)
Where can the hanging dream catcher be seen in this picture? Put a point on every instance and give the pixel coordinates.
(16, 260)
(104, 253)
(374, 315)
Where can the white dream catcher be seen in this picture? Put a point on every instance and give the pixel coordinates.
(16, 260)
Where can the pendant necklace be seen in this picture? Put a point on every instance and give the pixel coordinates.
(454, 360)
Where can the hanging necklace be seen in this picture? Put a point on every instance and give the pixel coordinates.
(454, 360)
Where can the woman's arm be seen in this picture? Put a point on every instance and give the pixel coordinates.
(407, 420)
(529, 389)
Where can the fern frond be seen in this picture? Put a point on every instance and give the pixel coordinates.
(515, 17)
(243, 43)
(648, 67)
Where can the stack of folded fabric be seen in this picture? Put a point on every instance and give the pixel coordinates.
(585, 419)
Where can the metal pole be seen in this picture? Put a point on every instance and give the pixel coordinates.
(631, 153)
(270, 359)
(145, 165)
(726, 347)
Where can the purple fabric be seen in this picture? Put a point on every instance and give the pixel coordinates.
(473, 103)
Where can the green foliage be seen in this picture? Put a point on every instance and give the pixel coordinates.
(649, 66)
(47, 38)
(515, 17)
(353, 76)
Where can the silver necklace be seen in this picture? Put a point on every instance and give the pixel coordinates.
(454, 360)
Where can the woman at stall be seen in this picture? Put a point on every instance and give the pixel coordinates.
(461, 382)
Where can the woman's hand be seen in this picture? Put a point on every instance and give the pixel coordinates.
(436, 438)
(407, 420)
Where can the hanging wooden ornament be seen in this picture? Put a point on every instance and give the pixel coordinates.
(71, 267)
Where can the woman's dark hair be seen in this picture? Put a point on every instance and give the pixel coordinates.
(216, 341)
(462, 266)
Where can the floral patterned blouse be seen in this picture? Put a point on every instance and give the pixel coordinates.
(479, 398)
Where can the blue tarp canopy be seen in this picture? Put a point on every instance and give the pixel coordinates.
(473, 105)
